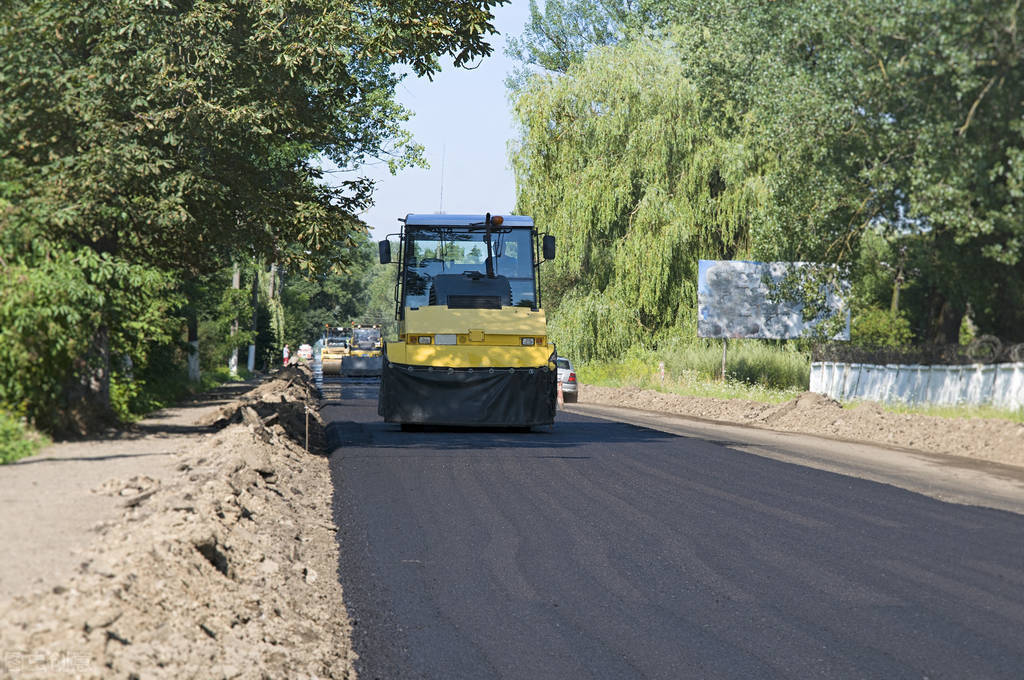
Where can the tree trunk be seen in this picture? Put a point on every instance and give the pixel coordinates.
(236, 284)
(251, 364)
(946, 322)
(193, 340)
(88, 394)
(894, 306)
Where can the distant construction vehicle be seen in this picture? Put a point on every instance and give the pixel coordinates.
(336, 342)
(365, 355)
(472, 348)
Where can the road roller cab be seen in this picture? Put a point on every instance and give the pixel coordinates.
(472, 347)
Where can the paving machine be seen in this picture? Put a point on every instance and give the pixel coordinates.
(472, 348)
(336, 346)
(365, 355)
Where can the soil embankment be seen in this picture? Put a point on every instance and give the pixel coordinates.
(224, 567)
(995, 440)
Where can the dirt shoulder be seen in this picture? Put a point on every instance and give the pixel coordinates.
(999, 441)
(214, 554)
(51, 511)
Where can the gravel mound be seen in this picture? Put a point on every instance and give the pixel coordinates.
(227, 569)
(996, 440)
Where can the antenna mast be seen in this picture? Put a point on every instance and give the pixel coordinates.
(440, 207)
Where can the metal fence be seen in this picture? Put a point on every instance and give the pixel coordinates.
(998, 385)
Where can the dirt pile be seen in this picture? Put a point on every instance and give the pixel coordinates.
(224, 570)
(984, 438)
(285, 406)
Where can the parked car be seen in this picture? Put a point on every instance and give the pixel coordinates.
(567, 376)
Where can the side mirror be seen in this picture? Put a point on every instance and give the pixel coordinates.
(548, 247)
(384, 247)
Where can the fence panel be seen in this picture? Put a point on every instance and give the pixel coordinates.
(1000, 385)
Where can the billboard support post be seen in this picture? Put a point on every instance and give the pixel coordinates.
(725, 351)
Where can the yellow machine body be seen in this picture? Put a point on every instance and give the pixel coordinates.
(335, 348)
(473, 347)
(366, 351)
(468, 338)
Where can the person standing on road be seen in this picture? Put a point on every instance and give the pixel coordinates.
(285, 354)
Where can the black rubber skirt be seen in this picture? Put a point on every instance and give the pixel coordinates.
(360, 366)
(479, 397)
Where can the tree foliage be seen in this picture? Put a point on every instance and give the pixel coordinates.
(148, 143)
(330, 299)
(857, 118)
(620, 160)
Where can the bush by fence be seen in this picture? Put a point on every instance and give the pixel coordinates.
(985, 349)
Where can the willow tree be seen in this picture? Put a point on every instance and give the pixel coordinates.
(623, 161)
(875, 112)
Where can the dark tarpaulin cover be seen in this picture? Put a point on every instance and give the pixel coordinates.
(361, 366)
(501, 397)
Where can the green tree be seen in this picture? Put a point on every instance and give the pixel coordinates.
(165, 138)
(333, 298)
(869, 115)
(619, 160)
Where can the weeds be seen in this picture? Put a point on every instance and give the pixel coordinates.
(754, 370)
(17, 440)
(964, 411)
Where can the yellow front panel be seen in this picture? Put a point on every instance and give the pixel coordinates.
(469, 356)
(511, 321)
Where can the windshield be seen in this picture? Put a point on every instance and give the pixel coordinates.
(365, 338)
(337, 338)
(456, 250)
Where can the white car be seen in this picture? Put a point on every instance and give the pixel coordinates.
(567, 377)
(305, 352)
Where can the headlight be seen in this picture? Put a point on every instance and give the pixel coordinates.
(424, 339)
(527, 342)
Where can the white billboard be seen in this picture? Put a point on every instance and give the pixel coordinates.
(740, 299)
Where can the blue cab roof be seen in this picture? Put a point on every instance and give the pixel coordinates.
(443, 220)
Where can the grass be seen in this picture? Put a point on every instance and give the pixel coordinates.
(965, 411)
(645, 375)
(754, 371)
(17, 440)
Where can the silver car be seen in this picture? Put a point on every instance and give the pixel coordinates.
(567, 377)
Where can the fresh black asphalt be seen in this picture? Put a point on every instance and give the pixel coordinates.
(606, 550)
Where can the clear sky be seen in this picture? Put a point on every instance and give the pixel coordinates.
(465, 116)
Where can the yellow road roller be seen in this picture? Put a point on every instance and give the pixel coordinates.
(364, 357)
(336, 343)
(472, 348)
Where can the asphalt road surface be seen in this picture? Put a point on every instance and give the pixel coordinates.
(606, 550)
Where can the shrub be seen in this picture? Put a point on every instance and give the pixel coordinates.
(16, 440)
(874, 327)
